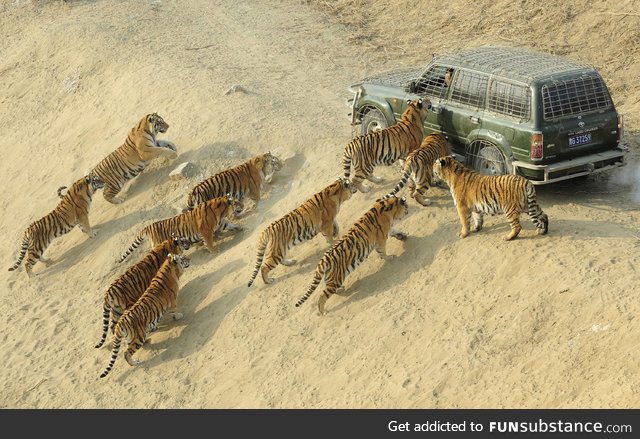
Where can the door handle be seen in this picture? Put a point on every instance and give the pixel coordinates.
(474, 119)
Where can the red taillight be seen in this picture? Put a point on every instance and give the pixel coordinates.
(620, 127)
(536, 145)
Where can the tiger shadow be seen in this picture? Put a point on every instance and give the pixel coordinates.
(402, 266)
(197, 326)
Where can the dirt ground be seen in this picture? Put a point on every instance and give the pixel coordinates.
(540, 322)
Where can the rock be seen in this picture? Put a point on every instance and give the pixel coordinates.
(235, 89)
(182, 171)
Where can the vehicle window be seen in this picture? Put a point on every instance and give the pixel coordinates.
(579, 95)
(469, 88)
(510, 99)
(432, 82)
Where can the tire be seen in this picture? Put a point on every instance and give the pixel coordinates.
(373, 120)
(486, 158)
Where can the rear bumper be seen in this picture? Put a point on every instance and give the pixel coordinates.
(587, 165)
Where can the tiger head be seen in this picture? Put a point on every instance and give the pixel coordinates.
(236, 206)
(93, 182)
(343, 188)
(179, 243)
(156, 124)
(180, 260)
(398, 207)
(445, 168)
(422, 106)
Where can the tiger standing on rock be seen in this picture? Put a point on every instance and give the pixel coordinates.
(475, 195)
(246, 179)
(369, 233)
(142, 318)
(72, 210)
(386, 146)
(127, 289)
(195, 225)
(317, 214)
(130, 159)
(418, 168)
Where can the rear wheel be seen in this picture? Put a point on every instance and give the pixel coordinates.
(486, 158)
(373, 120)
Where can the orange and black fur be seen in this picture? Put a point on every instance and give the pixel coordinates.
(127, 289)
(195, 225)
(369, 233)
(72, 210)
(475, 195)
(317, 214)
(386, 146)
(418, 168)
(130, 159)
(246, 179)
(142, 318)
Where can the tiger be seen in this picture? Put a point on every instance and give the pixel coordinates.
(475, 195)
(386, 146)
(195, 225)
(72, 210)
(130, 159)
(142, 318)
(317, 214)
(124, 291)
(240, 181)
(418, 168)
(368, 233)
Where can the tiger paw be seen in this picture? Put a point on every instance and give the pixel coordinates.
(115, 200)
(375, 179)
(462, 235)
(92, 233)
(400, 236)
(177, 316)
(288, 262)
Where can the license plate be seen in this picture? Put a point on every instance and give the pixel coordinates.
(579, 139)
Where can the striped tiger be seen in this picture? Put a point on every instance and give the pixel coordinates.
(368, 233)
(475, 195)
(124, 291)
(72, 210)
(142, 318)
(246, 179)
(195, 225)
(418, 168)
(386, 146)
(130, 159)
(317, 214)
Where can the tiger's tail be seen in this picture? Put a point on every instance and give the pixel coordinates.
(114, 355)
(262, 246)
(132, 247)
(401, 184)
(106, 313)
(538, 217)
(23, 252)
(346, 160)
(60, 189)
(317, 277)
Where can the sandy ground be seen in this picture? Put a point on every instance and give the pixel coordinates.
(544, 321)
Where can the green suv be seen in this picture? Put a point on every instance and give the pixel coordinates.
(505, 111)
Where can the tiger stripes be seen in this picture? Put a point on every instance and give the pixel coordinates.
(127, 289)
(130, 159)
(197, 225)
(369, 233)
(317, 214)
(418, 168)
(386, 146)
(475, 195)
(243, 180)
(72, 210)
(139, 320)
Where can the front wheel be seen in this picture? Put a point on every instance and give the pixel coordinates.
(372, 121)
(486, 158)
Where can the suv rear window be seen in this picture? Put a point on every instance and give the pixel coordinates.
(510, 99)
(574, 96)
(470, 88)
